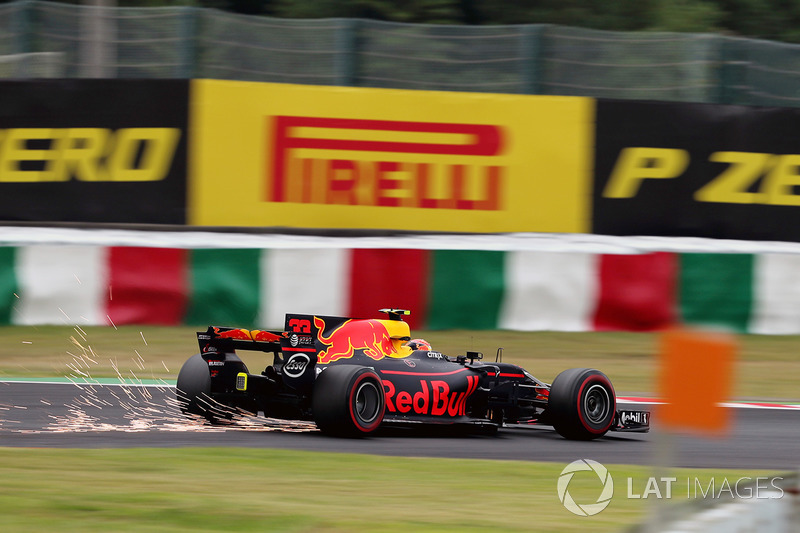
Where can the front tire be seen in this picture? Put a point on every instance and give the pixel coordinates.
(582, 404)
(348, 401)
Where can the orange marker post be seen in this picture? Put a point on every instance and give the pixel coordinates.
(695, 377)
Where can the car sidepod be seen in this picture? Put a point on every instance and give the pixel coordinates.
(424, 387)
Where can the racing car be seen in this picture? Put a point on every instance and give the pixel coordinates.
(351, 376)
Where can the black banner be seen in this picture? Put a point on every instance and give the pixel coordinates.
(107, 151)
(697, 170)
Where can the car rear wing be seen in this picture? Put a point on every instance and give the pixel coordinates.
(223, 339)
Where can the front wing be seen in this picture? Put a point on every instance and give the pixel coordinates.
(633, 421)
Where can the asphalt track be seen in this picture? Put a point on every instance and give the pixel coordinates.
(46, 415)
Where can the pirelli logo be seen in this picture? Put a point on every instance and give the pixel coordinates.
(387, 163)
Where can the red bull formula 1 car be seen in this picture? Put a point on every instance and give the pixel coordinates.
(351, 376)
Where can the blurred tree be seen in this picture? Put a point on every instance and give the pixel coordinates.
(621, 15)
(428, 11)
(697, 16)
(765, 19)
(246, 7)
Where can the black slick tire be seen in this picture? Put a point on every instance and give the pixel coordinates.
(582, 404)
(194, 392)
(348, 401)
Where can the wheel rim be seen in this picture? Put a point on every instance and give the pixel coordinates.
(596, 404)
(367, 402)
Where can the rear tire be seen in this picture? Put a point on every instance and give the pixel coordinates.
(582, 404)
(348, 401)
(194, 392)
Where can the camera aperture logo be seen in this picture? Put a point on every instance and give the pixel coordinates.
(590, 508)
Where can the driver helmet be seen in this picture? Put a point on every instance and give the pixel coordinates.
(419, 344)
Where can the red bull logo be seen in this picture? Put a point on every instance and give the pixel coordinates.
(264, 336)
(371, 336)
(237, 334)
(434, 397)
(246, 335)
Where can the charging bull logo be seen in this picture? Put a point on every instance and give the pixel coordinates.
(368, 335)
(246, 335)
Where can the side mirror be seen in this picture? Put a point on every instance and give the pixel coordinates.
(474, 355)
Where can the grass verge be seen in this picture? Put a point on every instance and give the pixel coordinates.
(233, 489)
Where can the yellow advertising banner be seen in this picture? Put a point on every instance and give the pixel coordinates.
(341, 157)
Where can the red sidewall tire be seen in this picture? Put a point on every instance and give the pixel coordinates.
(365, 386)
(348, 401)
(582, 404)
(601, 423)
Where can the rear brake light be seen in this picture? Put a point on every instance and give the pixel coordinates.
(241, 381)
